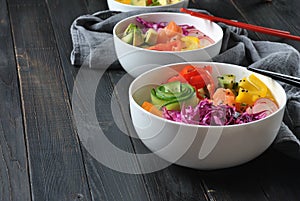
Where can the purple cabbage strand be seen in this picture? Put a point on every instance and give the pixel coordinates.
(205, 113)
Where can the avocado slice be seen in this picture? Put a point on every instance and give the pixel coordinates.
(133, 35)
(128, 38)
(138, 37)
(138, 2)
(151, 37)
(130, 28)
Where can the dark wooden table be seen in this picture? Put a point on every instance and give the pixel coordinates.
(41, 157)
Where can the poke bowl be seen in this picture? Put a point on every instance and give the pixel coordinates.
(133, 5)
(143, 42)
(219, 116)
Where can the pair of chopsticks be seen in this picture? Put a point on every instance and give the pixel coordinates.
(295, 81)
(265, 30)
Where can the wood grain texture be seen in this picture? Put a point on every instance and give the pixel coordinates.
(14, 178)
(96, 5)
(278, 14)
(62, 14)
(227, 9)
(108, 183)
(59, 167)
(215, 7)
(55, 160)
(278, 176)
(236, 183)
(105, 184)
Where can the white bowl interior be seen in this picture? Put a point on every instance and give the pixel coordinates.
(207, 27)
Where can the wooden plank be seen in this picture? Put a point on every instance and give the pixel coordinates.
(278, 176)
(279, 14)
(62, 14)
(14, 180)
(55, 166)
(96, 5)
(229, 11)
(105, 184)
(236, 183)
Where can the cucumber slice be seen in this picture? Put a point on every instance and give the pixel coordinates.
(192, 101)
(173, 94)
(174, 87)
(227, 81)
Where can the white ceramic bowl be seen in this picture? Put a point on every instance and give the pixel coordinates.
(117, 6)
(203, 147)
(136, 60)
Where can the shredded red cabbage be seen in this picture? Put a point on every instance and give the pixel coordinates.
(160, 25)
(205, 113)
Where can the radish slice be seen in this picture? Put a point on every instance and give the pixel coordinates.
(264, 105)
(205, 41)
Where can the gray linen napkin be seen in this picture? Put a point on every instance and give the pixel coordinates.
(90, 32)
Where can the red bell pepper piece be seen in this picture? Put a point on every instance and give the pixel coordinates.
(188, 71)
(177, 78)
(197, 81)
(199, 77)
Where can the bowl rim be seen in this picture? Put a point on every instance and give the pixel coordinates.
(116, 37)
(146, 7)
(131, 99)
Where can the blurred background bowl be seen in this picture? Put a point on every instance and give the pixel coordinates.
(117, 6)
(136, 60)
(196, 146)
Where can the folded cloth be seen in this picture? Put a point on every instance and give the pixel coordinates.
(91, 32)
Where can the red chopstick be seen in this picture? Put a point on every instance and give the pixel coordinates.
(230, 22)
(274, 32)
